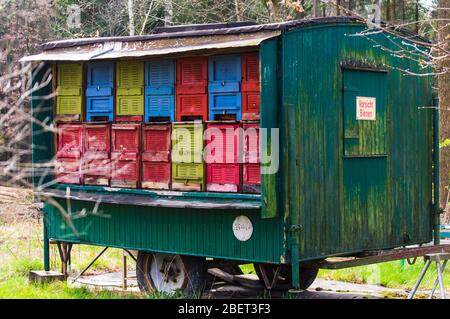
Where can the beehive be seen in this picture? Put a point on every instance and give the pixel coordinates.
(69, 80)
(156, 167)
(159, 91)
(187, 156)
(250, 86)
(225, 106)
(68, 155)
(130, 90)
(367, 182)
(96, 154)
(221, 156)
(251, 166)
(100, 92)
(191, 88)
(224, 88)
(126, 139)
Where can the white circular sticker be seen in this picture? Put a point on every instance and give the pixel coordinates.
(242, 228)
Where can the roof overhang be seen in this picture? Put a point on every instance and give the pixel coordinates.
(153, 47)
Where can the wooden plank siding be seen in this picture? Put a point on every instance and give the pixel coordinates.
(313, 146)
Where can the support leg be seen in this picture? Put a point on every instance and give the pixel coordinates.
(46, 247)
(436, 282)
(124, 274)
(90, 264)
(64, 250)
(441, 280)
(419, 280)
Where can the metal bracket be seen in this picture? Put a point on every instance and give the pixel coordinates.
(90, 264)
(295, 228)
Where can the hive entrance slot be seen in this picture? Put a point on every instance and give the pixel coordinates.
(189, 118)
(99, 118)
(68, 118)
(131, 118)
(225, 117)
(159, 119)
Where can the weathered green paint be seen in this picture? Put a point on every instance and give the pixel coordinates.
(323, 201)
(42, 137)
(345, 205)
(46, 246)
(364, 137)
(269, 119)
(183, 231)
(436, 183)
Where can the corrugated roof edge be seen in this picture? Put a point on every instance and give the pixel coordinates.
(224, 30)
(194, 27)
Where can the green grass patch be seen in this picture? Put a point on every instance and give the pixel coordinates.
(20, 287)
(395, 274)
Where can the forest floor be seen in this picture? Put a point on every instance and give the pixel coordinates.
(21, 250)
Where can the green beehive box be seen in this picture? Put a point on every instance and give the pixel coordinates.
(69, 90)
(187, 156)
(130, 88)
(130, 105)
(68, 105)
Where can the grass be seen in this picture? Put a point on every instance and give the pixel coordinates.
(19, 287)
(395, 274)
(21, 251)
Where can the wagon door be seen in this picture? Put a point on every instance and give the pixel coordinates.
(365, 153)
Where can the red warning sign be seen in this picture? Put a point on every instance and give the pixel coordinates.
(366, 108)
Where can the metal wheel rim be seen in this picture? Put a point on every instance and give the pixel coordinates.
(167, 273)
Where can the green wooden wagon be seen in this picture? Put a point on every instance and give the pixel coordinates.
(357, 144)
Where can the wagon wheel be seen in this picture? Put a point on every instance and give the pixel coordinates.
(169, 273)
(284, 276)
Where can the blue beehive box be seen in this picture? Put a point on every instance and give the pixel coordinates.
(100, 91)
(224, 73)
(224, 86)
(225, 104)
(159, 90)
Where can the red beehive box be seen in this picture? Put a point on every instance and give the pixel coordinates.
(96, 154)
(221, 156)
(250, 87)
(251, 179)
(156, 167)
(250, 72)
(192, 106)
(192, 75)
(125, 155)
(68, 155)
(68, 170)
(250, 106)
(70, 141)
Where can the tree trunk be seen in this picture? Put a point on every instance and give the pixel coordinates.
(416, 11)
(444, 103)
(131, 16)
(237, 10)
(272, 10)
(388, 11)
(315, 8)
(168, 12)
(402, 6)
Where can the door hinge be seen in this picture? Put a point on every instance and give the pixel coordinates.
(295, 228)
